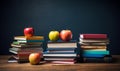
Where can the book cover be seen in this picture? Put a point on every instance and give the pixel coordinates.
(93, 36)
(29, 38)
(96, 52)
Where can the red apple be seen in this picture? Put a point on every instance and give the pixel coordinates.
(66, 35)
(29, 32)
(34, 58)
(53, 35)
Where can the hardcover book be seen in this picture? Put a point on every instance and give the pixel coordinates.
(29, 38)
(93, 36)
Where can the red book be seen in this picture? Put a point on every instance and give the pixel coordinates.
(93, 36)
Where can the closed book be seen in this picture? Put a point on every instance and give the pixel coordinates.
(61, 49)
(94, 49)
(48, 52)
(93, 36)
(63, 44)
(93, 55)
(29, 38)
(26, 45)
(59, 55)
(22, 43)
(100, 47)
(93, 43)
(25, 50)
(30, 41)
(94, 40)
(96, 52)
(55, 59)
(106, 59)
(63, 62)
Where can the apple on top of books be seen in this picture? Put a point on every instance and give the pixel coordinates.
(29, 31)
(65, 35)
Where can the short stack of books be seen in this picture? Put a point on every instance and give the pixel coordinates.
(94, 47)
(22, 46)
(61, 52)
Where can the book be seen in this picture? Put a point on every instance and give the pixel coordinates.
(96, 52)
(59, 55)
(93, 55)
(29, 41)
(56, 59)
(106, 59)
(29, 38)
(93, 36)
(95, 47)
(94, 40)
(63, 44)
(26, 45)
(93, 43)
(48, 52)
(25, 50)
(60, 49)
(63, 62)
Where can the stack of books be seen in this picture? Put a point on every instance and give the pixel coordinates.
(94, 47)
(23, 46)
(61, 52)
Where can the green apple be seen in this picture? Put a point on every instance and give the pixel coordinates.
(53, 35)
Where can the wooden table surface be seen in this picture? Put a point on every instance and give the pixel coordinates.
(5, 66)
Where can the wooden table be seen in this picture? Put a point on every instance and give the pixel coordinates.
(5, 66)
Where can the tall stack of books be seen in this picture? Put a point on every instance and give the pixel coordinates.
(94, 47)
(22, 46)
(61, 52)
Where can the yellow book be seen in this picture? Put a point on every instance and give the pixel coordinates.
(29, 38)
(93, 47)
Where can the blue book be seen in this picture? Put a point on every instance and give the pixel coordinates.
(96, 52)
(93, 55)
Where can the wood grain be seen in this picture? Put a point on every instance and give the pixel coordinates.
(5, 66)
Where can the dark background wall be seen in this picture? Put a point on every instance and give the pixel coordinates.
(80, 16)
